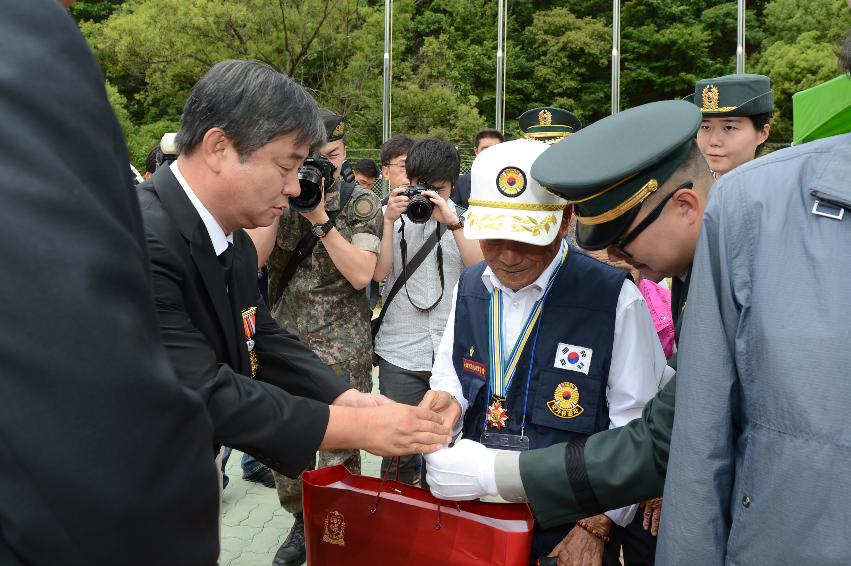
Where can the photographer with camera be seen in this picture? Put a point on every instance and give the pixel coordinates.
(321, 255)
(423, 252)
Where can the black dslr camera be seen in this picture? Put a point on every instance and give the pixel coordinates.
(420, 208)
(315, 169)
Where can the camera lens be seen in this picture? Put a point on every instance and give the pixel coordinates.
(310, 181)
(419, 209)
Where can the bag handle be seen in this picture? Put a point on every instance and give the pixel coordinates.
(397, 461)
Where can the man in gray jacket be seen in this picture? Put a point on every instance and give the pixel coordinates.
(760, 453)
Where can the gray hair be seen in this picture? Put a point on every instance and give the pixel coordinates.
(253, 104)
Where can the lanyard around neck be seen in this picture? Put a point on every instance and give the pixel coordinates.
(502, 369)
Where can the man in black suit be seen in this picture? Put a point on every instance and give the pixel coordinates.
(105, 457)
(245, 131)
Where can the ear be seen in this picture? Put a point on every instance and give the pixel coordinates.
(566, 217)
(763, 134)
(689, 205)
(215, 147)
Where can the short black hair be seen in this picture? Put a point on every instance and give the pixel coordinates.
(253, 104)
(433, 160)
(151, 160)
(367, 167)
(482, 134)
(759, 121)
(394, 147)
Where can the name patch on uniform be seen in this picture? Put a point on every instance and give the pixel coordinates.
(565, 403)
(474, 367)
(573, 358)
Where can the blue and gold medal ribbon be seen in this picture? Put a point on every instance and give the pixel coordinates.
(502, 369)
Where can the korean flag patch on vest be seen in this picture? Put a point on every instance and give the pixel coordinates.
(573, 358)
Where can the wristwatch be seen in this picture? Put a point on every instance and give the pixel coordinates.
(321, 230)
(458, 225)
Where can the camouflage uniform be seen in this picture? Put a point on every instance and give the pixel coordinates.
(323, 309)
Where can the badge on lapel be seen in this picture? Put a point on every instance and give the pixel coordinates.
(573, 358)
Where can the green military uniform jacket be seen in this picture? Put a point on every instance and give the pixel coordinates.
(610, 469)
(319, 305)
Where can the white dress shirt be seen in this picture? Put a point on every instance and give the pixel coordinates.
(635, 373)
(217, 235)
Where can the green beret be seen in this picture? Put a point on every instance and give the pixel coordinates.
(548, 124)
(733, 95)
(335, 124)
(610, 167)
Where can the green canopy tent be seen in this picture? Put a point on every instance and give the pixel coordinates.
(822, 111)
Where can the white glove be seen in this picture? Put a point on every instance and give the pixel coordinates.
(465, 471)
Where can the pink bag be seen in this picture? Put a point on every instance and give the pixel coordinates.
(659, 302)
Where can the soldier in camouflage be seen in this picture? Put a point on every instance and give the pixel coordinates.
(324, 303)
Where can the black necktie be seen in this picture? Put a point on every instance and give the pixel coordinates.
(226, 261)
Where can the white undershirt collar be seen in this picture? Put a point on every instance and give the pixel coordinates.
(218, 237)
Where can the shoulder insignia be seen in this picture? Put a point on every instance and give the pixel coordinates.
(365, 207)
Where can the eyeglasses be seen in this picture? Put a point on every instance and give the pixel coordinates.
(621, 245)
(401, 164)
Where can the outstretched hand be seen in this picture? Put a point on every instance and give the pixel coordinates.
(443, 403)
(394, 429)
(465, 471)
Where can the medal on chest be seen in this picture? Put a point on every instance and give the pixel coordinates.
(497, 415)
(249, 326)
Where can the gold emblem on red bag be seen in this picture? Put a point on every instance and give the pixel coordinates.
(335, 529)
(565, 403)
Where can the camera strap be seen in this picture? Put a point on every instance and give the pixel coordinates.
(438, 233)
(305, 246)
(408, 268)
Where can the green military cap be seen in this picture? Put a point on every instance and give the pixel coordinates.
(335, 124)
(548, 124)
(610, 167)
(733, 95)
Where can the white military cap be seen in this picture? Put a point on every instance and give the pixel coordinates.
(506, 203)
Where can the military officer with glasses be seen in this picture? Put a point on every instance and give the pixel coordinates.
(641, 198)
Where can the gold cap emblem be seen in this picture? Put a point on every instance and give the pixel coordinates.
(545, 118)
(711, 98)
(339, 130)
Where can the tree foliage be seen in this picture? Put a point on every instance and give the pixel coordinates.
(557, 52)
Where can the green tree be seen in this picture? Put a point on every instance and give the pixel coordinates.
(93, 10)
(799, 51)
(793, 67)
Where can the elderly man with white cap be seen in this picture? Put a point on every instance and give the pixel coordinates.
(543, 344)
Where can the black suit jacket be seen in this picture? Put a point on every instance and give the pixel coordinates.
(105, 457)
(281, 416)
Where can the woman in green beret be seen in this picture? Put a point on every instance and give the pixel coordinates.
(736, 112)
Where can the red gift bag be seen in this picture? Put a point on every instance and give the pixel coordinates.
(359, 520)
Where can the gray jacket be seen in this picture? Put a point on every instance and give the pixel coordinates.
(760, 465)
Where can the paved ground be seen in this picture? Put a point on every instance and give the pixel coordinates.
(253, 523)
